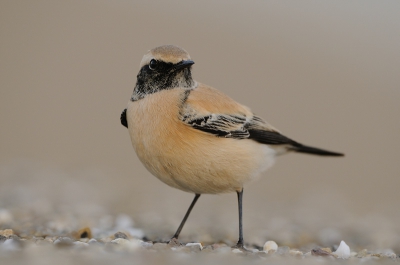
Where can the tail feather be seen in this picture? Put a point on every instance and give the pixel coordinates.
(315, 151)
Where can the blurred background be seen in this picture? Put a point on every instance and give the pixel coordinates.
(324, 73)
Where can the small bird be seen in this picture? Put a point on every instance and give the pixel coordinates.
(195, 138)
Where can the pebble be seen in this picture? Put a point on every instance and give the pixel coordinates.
(120, 241)
(329, 250)
(146, 244)
(120, 235)
(11, 244)
(194, 247)
(84, 240)
(106, 239)
(63, 242)
(187, 249)
(295, 253)
(236, 250)
(343, 251)
(43, 242)
(198, 245)
(94, 242)
(270, 247)
(320, 252)
(80, 244)
(50, 239)
(131, 244)
(6, 232)
(283, 250)
(307, 254)
(363, 253)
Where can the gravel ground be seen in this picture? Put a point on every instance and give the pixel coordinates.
(49, 234)
(43, 222)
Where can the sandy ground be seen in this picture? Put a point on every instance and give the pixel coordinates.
(325, 74)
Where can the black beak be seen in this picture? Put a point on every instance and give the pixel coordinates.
(184, 64)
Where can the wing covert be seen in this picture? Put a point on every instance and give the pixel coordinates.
(222, 125)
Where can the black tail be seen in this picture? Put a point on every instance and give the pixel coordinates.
(276, 138)
(315, 151)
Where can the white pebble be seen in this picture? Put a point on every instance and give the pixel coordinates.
(127, 244)
(195, 244)
(80, 244)
(63, 241)
(270, 246)
(10, 245)
(146, 244)
(236, 250)
(120, 241)
(92, 241)
(343, 251)
(295, 253)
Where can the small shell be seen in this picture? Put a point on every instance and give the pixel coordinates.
(270, 246)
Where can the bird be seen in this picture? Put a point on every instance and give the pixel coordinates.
(195, 138)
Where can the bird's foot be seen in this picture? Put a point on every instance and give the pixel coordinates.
(240, 246)
(174, 242)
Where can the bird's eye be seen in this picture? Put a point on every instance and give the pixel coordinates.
(153, 64)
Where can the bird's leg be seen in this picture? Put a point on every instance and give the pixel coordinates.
(240, 244)
(186, 217)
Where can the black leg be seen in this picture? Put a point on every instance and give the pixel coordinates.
(240, 243)
(186, 216)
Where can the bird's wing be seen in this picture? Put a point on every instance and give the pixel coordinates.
(208, 110)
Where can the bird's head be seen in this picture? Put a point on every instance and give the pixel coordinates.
(164, 67)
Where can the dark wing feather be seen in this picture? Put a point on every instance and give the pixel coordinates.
(262, 132)
(222, 125)
(270, 137)
(256, 129)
